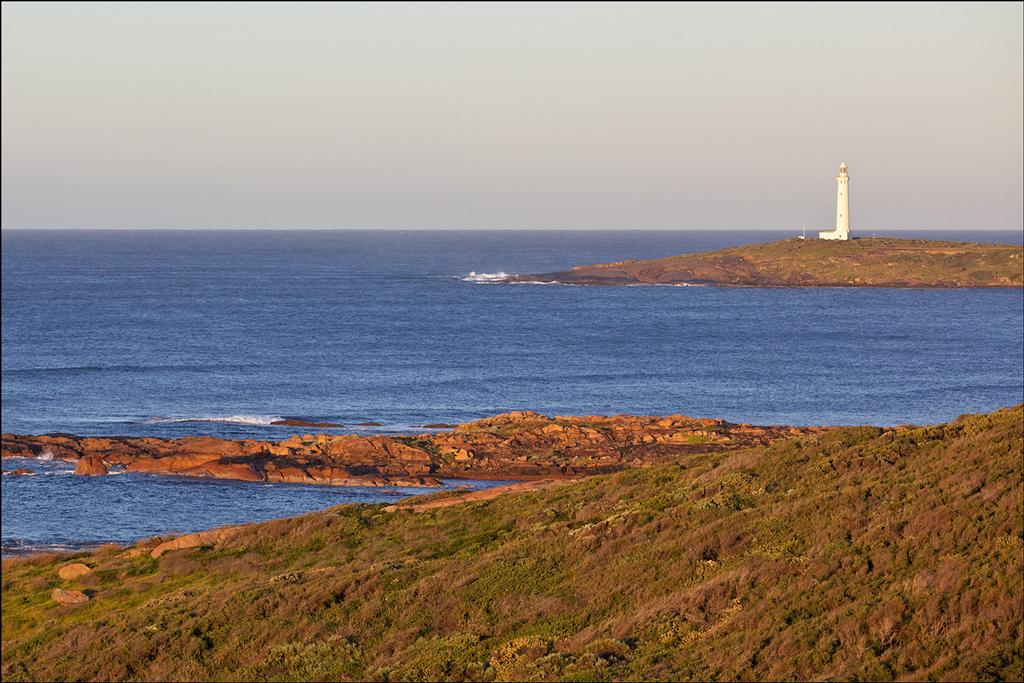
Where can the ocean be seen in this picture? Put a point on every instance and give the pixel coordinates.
(174, 333)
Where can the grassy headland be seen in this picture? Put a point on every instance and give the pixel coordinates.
(855, 553)
(862, 262)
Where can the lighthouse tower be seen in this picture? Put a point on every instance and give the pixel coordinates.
(842, 231)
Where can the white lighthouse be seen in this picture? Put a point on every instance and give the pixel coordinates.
(842, 231)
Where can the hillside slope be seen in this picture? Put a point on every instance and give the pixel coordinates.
(862, 262)
(855, 553)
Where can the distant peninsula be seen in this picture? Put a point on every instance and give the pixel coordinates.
(862, 262)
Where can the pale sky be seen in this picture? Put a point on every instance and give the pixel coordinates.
(511, 116)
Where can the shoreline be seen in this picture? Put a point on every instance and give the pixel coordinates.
(578, 447)
(446, 497)
(520, 450)
(525, 450)
(453, 491)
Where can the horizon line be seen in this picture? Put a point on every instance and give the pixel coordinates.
(479, 229)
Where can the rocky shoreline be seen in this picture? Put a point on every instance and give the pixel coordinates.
(520, 445)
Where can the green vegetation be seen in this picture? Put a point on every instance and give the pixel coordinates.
(861, 262)
(858, 553)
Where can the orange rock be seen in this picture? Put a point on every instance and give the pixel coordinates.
(171, 463)
(70, 598)
(91, 465)
(73, 571)
(225, 470)
(286, 474)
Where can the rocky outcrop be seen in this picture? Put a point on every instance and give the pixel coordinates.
(20, 472)
(72, 571)
(860, 262)
(519, 445)
(202, 538)
(91, 465)
(69, 598)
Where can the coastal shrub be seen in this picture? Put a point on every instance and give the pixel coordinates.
(514, 657)
(461, 655)
(331, 658)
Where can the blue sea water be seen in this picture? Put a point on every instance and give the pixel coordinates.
(174, 333)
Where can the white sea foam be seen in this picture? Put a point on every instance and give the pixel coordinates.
(47, 454)
(502, 278)
(485, 278)
(576, 284)
(16, 546)
(226, 419)
(542, 282)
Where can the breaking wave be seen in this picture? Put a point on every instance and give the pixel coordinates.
(259, 420)
(485, 278)
(18, 546)
(502, 278)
